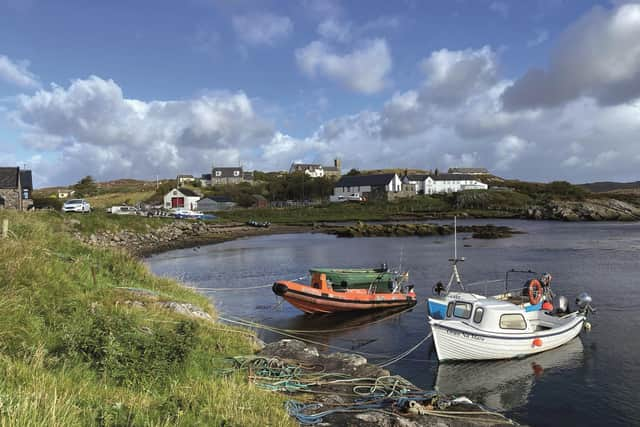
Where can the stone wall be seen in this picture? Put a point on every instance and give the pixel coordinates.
(11, 198)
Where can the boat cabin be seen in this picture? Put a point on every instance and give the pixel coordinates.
(492, 315)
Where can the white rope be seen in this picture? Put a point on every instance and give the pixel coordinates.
(406, 353)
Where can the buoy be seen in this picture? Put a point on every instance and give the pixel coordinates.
(587, 326)
(537, 342)
(547, 306)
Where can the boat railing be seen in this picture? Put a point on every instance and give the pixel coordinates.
(497, 288)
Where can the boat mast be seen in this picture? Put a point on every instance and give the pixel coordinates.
(454, 261)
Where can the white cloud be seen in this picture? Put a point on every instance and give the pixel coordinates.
(453, 76)
(96, 131)
(262, 28)
(364, 70)
(509, 149)
(17, 73)
(540, 37)
(598, 56)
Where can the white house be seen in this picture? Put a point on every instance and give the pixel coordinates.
(64, 193)
(444, 183)
(181, 198)
(316, 170)
(368, 186)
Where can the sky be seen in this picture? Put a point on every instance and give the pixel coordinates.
(539, 90)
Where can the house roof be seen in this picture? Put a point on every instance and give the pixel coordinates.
(9, 177)
(218, 199)
(331, 169)
(206, 176)
(417, 177)
(185, 176)
(187, 192)
(25, 179)
(360, 180)
(227, 172)
(452, 177)
(258, 197)
(468, 170)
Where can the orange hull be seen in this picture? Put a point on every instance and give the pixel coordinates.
(321, 298)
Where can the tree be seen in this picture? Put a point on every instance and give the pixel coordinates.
(86, 187)
(353, 172)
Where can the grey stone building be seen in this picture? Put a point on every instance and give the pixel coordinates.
(15, 188)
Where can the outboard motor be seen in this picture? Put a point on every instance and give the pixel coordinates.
(562, 304)
(583, 301)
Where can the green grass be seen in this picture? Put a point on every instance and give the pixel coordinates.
(102, 201)
(74, 352)
(415, 207)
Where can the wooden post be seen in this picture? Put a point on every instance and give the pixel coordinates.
(93, 275)
(5, 228)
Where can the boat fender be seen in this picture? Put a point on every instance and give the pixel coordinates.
(587, 326)
(279, 289)
(537, 342)
(535, 291)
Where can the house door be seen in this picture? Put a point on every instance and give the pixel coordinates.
(177, 202)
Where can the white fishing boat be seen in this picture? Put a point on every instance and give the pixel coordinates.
(487, 328)
(514, 323)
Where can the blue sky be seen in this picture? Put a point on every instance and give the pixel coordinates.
(135, 89)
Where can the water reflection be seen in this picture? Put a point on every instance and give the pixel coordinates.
(506, 385)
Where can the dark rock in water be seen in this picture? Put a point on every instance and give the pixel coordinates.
(488, 231)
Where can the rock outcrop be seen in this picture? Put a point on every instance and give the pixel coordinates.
(393, 411)
(174, 235)
(586, 210)
(361, 229)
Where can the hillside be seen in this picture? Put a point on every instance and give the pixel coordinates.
(91, 337)
(606, 186)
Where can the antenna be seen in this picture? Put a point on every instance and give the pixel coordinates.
(454, 261)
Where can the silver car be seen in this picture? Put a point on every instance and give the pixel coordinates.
(76, 205)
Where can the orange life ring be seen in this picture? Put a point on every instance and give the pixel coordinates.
(535, 291)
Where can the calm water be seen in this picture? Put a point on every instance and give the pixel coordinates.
(594, 380)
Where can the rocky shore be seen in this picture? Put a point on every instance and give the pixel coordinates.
(367, 395)
(585, 210)
(361, 229)
(177, 234)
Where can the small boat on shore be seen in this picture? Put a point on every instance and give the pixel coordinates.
(321, 296)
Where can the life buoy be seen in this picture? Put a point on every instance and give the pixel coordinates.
(535, 291)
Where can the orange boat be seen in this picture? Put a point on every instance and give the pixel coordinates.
(320, 297)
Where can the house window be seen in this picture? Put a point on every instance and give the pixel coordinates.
(218, 173)
(236, 173)
(462, 310)
(477, 317)
(513, 321)
(25, 193)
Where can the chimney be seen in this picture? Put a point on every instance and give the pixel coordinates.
(337, 163)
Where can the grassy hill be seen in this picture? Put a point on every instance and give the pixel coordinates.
(80, 348)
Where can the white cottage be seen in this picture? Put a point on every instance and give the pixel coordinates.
(444, 183)
(368, 185)
(181, 198)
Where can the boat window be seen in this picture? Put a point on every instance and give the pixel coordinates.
(477, 317)
(512, 321)
(462, 310)
(450, 309)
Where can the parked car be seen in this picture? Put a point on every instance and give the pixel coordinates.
(123, 210)
(76, 205)
(184, 213)
(353, 197)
